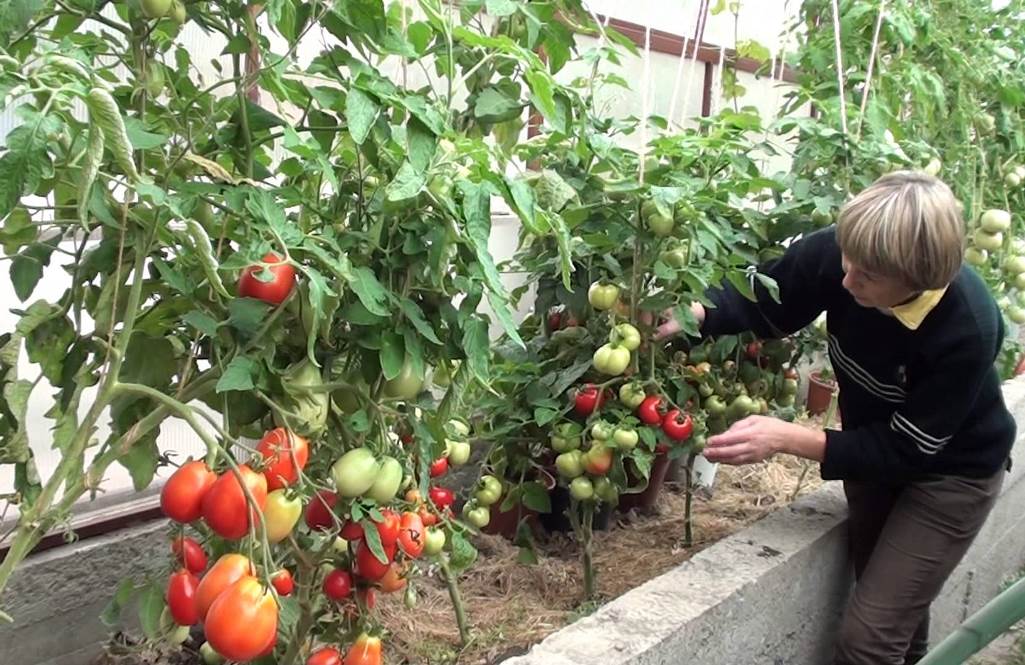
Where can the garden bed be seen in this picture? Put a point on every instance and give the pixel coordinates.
(512, 605)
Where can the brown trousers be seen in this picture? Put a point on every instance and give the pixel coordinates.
(905, 541)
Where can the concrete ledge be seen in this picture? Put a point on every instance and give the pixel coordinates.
(773, 593)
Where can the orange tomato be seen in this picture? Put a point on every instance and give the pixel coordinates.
(243, 622)
(229, 569)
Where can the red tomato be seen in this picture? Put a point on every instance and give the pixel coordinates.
(367, 565)
(325, 656)
(365, 651)
(791, 373)
(337, 585)
(411, 534)
(754, 350)
(181, 498)
(393, 580)
(439, 467)
(243, 622)
(224, 506)
(283, 460)
(229, 569)
(677, 425)
(189, 553)
(427, 517)
(367, 596)
(441, 497)
(283, 582)
(650, 410)
(181, 598)
(588, 399)
(319, 516)
(273, 292)
(352, 531)
(388, 529)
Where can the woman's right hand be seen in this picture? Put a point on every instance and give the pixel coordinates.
(672, 326)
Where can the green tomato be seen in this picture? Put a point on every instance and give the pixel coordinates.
(661, 225)
(715, 406)
(154, 86)
(478, 516)
(626, 336)
(632, 394)
(975, 257)
(562, 444)
(440, 187)
(459, 428)
(300, 397)
(988, 241)
(1016, 314)
(434, 541)
(458, 452)
(606, 490)
(675, 257)
(697, 443)
(581, 489)
(789, 387)
(155, 8)
(601, 430)
(685, 213)
(178, 12)
(705, 389)
(570, 464)
(387, 482)
(355, 472)
(1019, 281)
(491, 483)
(179, 635)
(611, 360)
(1015, 265)
(602, 296)
(995, 221)
(346, 399)
(821, 218)
(406, 385)
(487, 496)
(1012, 180)
(209, 655)
(626, 439)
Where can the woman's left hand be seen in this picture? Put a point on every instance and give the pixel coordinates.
(753, 439)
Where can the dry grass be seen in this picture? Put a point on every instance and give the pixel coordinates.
(512, 605)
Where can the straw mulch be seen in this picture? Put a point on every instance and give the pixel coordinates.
(511, 605)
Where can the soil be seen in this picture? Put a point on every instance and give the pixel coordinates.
(512, 605)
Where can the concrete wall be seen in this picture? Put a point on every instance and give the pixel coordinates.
(769, 595)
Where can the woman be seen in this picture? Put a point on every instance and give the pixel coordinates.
(926, 436)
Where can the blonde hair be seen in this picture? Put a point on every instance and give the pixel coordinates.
(905, 226)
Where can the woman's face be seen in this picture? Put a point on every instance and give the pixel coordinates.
(871, 290)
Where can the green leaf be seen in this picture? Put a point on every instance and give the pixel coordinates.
(149, 360)
(27, 268)
(360, 114)
(202, 322)
(477, 212)
(369, 290)
(247, 315)
(408, 182)
(47, 344)
(200, 242)
(419, 35)
(111, 615)
(422, 144)
(544, 415)
(543, 97)
(494, 105)
(770, 284)
(18, 231)
(740, 281)
(524, 205)
(151, 604)
(463, 553)
(238, 375)
(552, 191)
(477, 347)
(262, 205)
(416, 317)
(501, 7)
(393, 354)
(373, 539)
(15, 16)
(141, 460)
(141, 138)
(536, 497)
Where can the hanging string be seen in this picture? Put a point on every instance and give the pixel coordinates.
(699, 31)
(717, 100)
(839, 67)
(679, 73)
(645, 94)
(871, 65)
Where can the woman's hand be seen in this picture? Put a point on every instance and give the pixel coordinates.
(757, 438)
(672, 326)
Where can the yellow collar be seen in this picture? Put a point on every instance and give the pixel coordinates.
(912, 314)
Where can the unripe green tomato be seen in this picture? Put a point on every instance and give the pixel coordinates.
(155, 8)
(570, 464)
(988, 241)
(974, 256)
(458, 453)
(581, 489)
(995, 221)
(625, 439)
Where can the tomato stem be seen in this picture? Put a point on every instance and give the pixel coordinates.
(688, 523)
(457, 602)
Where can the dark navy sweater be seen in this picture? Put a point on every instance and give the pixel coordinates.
(914, 403)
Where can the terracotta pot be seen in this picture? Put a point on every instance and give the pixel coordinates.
(820, 392)
(644, 500)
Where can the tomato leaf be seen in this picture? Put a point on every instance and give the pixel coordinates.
(151, 604)
(360, 113)
(416, 317)
(422, 144)
(522, 200)
(111, 615)
(414, 351)
(27, 268)
(202, 322)
(477, 347)
(238, 375)
(536, 497)
(373, 540)
(569, 376)
(261, 204)
(393, 354)
(543, 416)
(408, 182)
(247, 315)
(463, 554)
(770, 284)
(142, 459)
